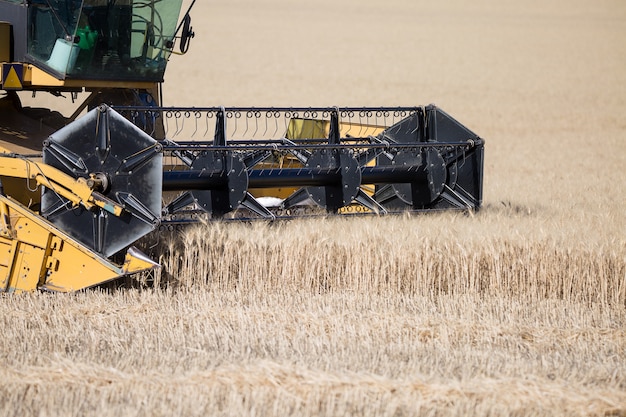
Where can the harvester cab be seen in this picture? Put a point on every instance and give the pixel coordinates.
(90, 45)
(101, 40)
(75, 197)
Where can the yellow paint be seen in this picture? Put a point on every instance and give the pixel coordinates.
(41, 256)
(135, 261)
(307, 129)
(35, 254)
(35, 77)
(77, 191)
(319, 129)
(12, 80)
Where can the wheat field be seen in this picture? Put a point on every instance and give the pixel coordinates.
(516, 310)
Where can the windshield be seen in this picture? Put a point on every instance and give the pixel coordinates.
(103, 39)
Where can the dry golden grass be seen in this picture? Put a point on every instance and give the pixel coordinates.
(405, 255)
(386, 316)
(517, 310)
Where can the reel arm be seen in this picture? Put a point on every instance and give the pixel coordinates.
(79, 191)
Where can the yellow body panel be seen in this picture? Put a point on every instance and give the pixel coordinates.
(35, 254)
(34, 78)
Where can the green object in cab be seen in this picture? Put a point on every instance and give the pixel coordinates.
(87, 37)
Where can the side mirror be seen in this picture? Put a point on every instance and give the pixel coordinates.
(187, 34)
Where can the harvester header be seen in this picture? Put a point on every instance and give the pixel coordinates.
(78, 193)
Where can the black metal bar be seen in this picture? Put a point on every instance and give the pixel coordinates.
(392, 175)
(247, 145)
(291, 177)
(334, 135)
(305, 177)
(362, 111)
(431, 131)
(220, 129)
(193, 180)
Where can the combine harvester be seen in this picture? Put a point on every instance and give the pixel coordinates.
(76, 193)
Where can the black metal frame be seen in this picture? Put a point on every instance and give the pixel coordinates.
(422, 160)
